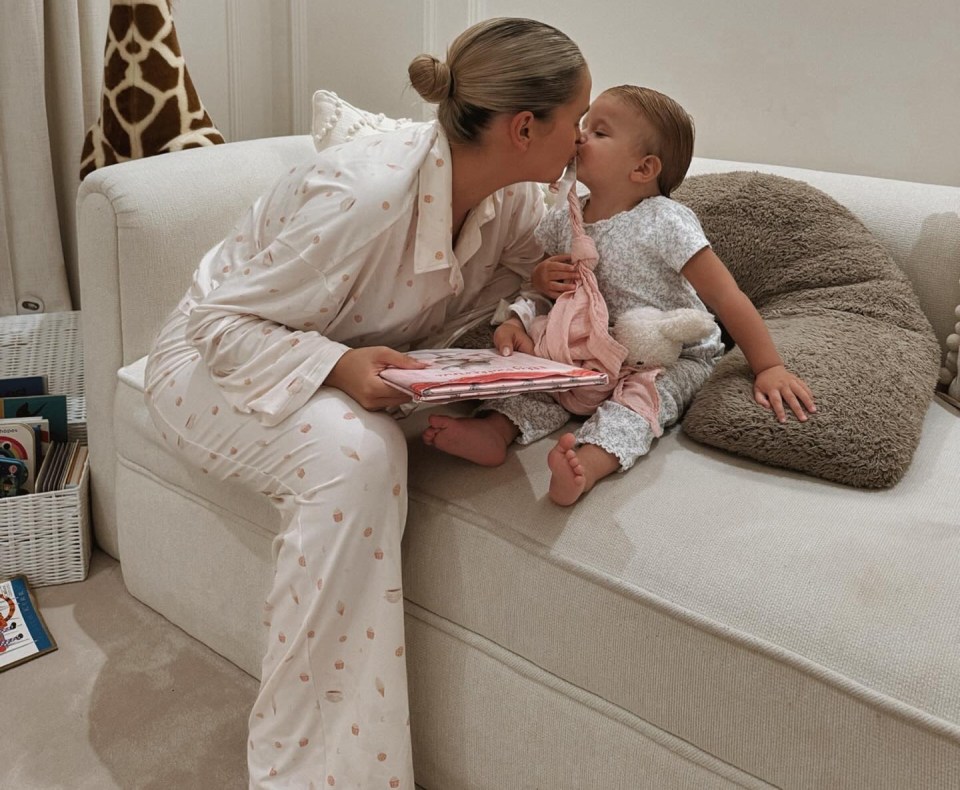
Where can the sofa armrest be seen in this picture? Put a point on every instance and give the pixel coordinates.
(142, 228)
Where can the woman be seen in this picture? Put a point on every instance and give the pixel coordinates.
(267, 373)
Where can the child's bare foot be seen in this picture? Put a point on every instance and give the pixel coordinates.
(475, 438)
(568, 480)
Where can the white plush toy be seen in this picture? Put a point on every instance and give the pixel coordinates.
(655, 338)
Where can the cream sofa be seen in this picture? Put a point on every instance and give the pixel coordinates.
(703, 621)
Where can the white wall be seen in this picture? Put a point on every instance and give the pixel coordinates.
(859, 86)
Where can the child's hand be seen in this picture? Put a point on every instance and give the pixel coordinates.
(554, 276)
(775, 386)
(510, 336)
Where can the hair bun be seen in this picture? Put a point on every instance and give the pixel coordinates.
(431, 78)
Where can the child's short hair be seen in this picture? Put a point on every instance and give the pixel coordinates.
(674, 128)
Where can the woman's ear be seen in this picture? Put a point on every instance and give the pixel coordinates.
(520, 129)
(647, 169)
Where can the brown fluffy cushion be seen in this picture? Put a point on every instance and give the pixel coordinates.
(843, 317)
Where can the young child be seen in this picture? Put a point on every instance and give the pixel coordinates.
(635, 148)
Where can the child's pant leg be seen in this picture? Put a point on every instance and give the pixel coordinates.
(535, 414)
(624, 433)
(332, 709)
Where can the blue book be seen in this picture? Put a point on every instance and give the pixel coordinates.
(21, 386)
(52, 408)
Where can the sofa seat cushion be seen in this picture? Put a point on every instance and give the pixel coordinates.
(777, 602)
(844, 317)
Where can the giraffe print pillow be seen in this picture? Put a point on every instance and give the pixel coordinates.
(335, 121)
(148, 102)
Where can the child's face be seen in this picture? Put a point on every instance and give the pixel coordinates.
(614, 139)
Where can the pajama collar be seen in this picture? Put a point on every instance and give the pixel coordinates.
(434, 249)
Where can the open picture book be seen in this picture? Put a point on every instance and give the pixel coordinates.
(23, 633)
(467, 373)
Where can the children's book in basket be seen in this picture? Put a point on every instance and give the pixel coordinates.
(461, 374)
(23, 634)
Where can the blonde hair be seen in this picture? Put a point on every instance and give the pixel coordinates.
(673, 126)
(502, 65)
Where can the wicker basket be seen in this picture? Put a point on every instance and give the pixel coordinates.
(51, 344)
(46, 536)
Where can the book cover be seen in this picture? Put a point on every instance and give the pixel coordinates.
(52, 408)
(23, 633)
(13, 476)
(18, 440)
(460, 373)
(22, 386)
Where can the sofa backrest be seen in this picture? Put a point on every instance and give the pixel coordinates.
(144, 225)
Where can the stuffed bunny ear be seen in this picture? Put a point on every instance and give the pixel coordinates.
(686, 325)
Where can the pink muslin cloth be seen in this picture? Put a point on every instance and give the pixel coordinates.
(576, 331)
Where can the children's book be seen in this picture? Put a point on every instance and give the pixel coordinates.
(13, 476)
(78, 459)
(52, 408)
(62, 467)
(462, 373)
(18, 440)
(22, 386)
(23, 634)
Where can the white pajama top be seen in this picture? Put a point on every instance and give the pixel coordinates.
(352, 249)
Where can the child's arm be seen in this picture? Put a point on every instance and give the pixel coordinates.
(773, 384)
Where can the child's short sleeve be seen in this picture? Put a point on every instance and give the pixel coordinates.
(550, 231)
(679, 234)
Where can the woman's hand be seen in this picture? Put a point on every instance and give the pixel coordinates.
(776, 386)
(554, 276)
(357, 374)
(510, 336)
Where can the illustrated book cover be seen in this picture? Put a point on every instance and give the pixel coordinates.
(52, 408)
(462, 373)
(18, 441)
(23, 634)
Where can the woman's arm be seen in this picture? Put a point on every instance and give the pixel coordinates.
(773, 384)
(272, 294)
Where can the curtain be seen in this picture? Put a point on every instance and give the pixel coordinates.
(51, 64)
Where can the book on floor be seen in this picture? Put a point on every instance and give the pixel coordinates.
(461, 374)
(23, 633)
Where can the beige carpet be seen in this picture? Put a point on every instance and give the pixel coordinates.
(128, 700)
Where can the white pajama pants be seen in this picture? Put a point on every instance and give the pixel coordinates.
(332, 710)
